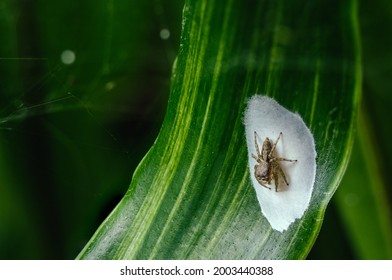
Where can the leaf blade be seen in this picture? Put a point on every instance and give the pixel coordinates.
(191, 196)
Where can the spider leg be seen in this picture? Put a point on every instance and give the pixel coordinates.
(285, 159)
(265, 186)
(282, 173)
(276, 179)
(255, 157)
(273, 147)
(257, 146)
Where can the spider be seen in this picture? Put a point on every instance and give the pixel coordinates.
(267, 167)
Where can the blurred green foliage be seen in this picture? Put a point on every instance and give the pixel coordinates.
(71, 135)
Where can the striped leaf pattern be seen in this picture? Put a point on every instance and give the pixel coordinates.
(191, 196)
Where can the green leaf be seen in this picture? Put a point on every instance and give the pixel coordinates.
(191, 196)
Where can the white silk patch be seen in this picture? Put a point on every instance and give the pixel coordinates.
(265, 116)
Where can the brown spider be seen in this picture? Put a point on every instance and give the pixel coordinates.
(267, 167)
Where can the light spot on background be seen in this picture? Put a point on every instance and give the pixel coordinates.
(109, 86)
(68, 57)
(164, 34)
